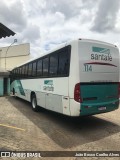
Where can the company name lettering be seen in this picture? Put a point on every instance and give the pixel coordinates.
(48, 88)
(103, 57)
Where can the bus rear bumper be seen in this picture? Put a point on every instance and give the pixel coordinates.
(98, 108)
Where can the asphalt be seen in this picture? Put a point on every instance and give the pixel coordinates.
(21, 129)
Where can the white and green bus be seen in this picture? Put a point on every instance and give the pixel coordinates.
(78, 78)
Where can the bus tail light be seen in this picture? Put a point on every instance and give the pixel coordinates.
(77, 96)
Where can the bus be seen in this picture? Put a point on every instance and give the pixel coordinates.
(78, 78)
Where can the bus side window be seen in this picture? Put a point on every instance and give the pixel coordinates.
(23, 71)
(45, 66)
(53, 64)
(20, 69)
(39, 67)
(30, 69)
(16, 72)
(26, 69)
(34, 69)
(64, 63)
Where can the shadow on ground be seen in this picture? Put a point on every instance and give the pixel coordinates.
(66, 131)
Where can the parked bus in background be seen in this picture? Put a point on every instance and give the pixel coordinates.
(78, 78)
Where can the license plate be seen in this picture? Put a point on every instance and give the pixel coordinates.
(101, 108)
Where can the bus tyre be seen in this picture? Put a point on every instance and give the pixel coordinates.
(34, 103)
(13, 91)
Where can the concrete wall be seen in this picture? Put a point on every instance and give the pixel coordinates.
(13, 61)
(14, 55)
(15, 50)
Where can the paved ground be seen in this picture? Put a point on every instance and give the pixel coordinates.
(22, 129)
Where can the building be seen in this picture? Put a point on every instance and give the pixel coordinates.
(10, 57)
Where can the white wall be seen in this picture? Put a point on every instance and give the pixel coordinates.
(15, 50)
(15, 55)
(13, 61)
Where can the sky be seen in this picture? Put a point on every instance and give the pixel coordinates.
(47, 23)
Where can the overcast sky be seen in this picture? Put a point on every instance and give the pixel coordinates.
(47, 23)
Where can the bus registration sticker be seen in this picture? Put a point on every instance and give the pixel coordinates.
(102, 108)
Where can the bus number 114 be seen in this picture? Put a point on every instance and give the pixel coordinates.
(88, 68)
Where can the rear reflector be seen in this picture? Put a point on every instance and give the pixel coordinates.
(77, 96)
(89, 98)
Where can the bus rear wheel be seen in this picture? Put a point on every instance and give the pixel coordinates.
(13, 92)
(34, 103)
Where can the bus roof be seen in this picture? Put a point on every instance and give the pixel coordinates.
(97, 41)
(65, 44)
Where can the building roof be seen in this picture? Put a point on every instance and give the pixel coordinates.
(5, 32)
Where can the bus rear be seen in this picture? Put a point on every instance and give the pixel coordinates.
(98, 89)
